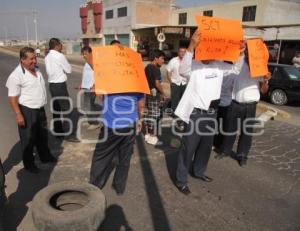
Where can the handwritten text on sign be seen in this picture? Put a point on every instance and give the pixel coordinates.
(118, 70)
(258, 57)
(220, 39)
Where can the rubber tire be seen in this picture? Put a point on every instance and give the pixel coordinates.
(280, 92)
(87, 218)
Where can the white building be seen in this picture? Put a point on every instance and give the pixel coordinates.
(137, 22)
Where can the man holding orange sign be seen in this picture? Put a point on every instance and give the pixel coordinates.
(198, 109)
(245, 96)
(120, 77)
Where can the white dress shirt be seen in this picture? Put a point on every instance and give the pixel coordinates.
(57, 66)
(87, 77)
(204, 86)
(173, 69)
(226, 91)
(245, 88)
(30, 89)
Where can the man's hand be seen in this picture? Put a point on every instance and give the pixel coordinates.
(121, 47)
(195, 40)
(93, 88)
(139, 126)
(268, 76)
(243, 47)
(20, 120)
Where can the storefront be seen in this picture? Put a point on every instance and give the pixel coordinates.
(145, 39)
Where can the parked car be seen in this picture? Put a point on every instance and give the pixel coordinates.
(284, 84)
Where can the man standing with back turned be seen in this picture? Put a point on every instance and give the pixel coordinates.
(198, 108)
(57, 67)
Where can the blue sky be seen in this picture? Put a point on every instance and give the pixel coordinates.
(57, 18)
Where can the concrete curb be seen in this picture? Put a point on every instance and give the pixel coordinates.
(280, 113)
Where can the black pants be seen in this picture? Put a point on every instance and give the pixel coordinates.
(195, 147)
(60, 105)
(34, 134)
(116, 146)
(222, 119)
(238, 121)
(89, 106)
(176, 94)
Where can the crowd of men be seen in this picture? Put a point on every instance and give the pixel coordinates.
(202, 92)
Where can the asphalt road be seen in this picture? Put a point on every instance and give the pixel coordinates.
(9, 130)
(263, 196)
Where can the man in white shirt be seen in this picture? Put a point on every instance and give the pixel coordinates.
(57, 66)
(88, 85)
(178, 82)
(242, 112)
(198, 108)
(27, 97)
(296, 60)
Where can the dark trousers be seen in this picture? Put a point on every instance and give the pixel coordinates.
(176, 94)
(195, 147)
(60, 105)
(222, 119)
(238, 114)
(89, 106)
(116, 146)
(34, 134)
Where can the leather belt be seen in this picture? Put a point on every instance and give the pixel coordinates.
(248, 103)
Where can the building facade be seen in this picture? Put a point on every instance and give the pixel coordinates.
(136, 23)
(250, 12)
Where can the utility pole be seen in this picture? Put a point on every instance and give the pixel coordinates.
(26, 28)
(35, 25)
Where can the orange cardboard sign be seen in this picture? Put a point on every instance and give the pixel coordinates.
(220, 39)
(118, 70)
(258, 57)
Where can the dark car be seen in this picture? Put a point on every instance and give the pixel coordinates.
(284, 84)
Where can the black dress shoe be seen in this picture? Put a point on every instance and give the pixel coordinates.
(204, 178)
(33, 169)
(118, 191)
(184, 189)
(242, 162)
(50, 159)
(220, 156)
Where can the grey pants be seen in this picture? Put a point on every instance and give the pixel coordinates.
(195, 147)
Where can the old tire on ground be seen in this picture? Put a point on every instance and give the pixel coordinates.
(68, 206)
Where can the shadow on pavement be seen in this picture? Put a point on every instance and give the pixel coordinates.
(28, 184)
(170, 151)
(159, 217)
(115, 219)
(13, 159)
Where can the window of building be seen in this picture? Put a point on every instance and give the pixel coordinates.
(249, 13)
(208, 13)
(122, 12)
(109, 14)
(182, 18)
